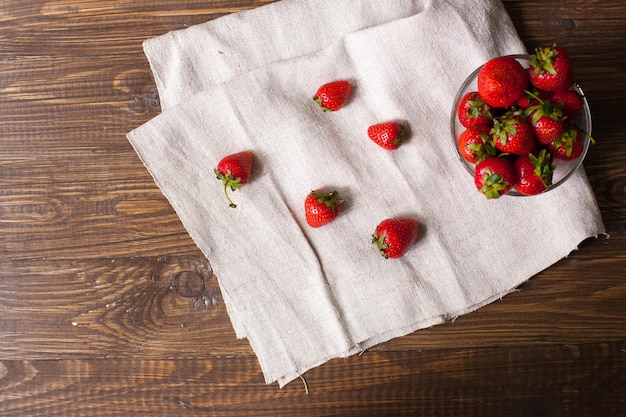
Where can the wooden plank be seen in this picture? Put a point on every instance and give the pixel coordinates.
(77, 106)
(86, 207)
(585, 379)
(565, 22)
(82, 81)
(107, 23)
(91, 27)
(74, 103)
(149, 307)
(113, 308)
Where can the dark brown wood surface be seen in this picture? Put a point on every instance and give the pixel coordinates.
(107, 308)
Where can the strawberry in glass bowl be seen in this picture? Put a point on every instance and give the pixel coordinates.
(528, 111)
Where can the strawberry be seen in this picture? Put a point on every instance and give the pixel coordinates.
(512, 134)
(394, 236)
(551, 69)
(472, 110)
(569, 145)
(388, 135)
(321, 207)
(532, 98)
(494, 177)
(534, 173)
(332, 96)
(546, 120)
(570, 102)
(234, 171)
(475, 144)
(502, 81)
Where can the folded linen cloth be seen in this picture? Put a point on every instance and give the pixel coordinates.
(187, 61)
(303, 296)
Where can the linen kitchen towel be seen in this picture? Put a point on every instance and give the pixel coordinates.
(303, 296)
(187, 61)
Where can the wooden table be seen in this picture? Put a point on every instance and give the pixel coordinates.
(107, 308)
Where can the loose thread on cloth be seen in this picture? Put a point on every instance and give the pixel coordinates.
(306, 387)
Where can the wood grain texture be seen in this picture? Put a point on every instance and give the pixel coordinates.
(148, 307)
(434, 383)
(108, 308)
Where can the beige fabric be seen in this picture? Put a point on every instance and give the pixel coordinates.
(303, 296)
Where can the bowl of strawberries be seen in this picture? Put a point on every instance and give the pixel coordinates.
(521, 125)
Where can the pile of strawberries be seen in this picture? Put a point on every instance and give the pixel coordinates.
(520, 122)
(392, 236)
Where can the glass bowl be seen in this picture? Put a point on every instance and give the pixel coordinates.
(563, 170)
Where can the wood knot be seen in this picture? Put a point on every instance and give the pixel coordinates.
(138, 84)
(568, 24)
(189, 284)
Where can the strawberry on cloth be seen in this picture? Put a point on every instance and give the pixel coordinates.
(321, 207)
(388, 135)
(234, 171)
(393, 237)
(334, 95)
(303, 295)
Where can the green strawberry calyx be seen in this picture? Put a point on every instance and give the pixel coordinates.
(566, 140)
(379, 241)
(482, 151)
(229, 182)
(542, 60)
(319, 102)
(543, 108)
(543, 166)
(329, 199)
(504, 126)
(493, 184)
(400, 136)
(478, 107)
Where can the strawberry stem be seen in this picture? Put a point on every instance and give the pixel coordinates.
(231, 204)
(533, 95)
(591, 139)
(229, 181)
(379, 241)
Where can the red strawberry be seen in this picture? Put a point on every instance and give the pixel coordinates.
(502, 81)
(475, 144)
(551, 69)
(569, 145)
(321, 207)
(472, 110)
(547, 121)
(532, 98)
(388, 135)
(570, 103)
(494, 177)
(332, 96)
(234, 171)
(393, 237)
(534, 173)
(512, 134)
